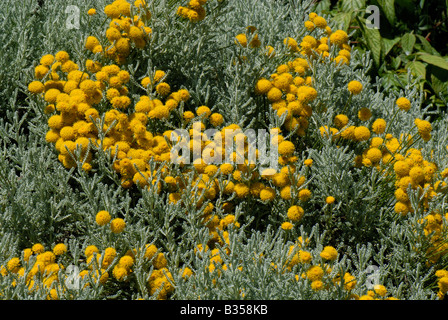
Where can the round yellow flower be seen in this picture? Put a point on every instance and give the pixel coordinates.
(59, 249)
(117, 225)
(267, 194)
(330, 200)
(309, 25)
(364, 114)
(241, 39)
(374, 155)
(13, 265)
(379, 126)
(38, 248)
(102, 218)
(401, 208)
(329, 253)
(36, 87)
(286, 148)
(320, 22)
(401, 168)
(308, 162)
(403, 103)
(361, 133)
(203, 111)
(274, 94)
(163, 89)
(295, 213)
(91, 43)
(241, 190)
(417, 175)
(355, 87)
(423, 126)
(263, 86)
(287, 226)
(340, 121)
(380, 290)
(119, 272)
(90, 250)
(315, 273)
(338, 37)
(216, 119)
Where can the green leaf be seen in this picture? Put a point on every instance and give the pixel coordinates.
(372, 39)
(387, 45)
(395, 63)
(388, 7)
(434, 60)
(323, 5)
(440, 87)
(347, 5)
(417, 68)
(344, 19)
(427, 46)
(408, 42)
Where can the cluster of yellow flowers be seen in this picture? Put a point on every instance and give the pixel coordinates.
(318, 275)
(379, 292)
(44, 270)
(290, 94)
(241, 39)
(435, 231)
(289, 89)
(123, 30)
(312, 47)
(194, 11)
(442, 282)
(412, 171)
(44, 273)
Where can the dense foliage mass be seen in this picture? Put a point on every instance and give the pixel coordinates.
(93, 205)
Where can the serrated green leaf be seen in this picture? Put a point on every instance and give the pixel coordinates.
(417, 68)
(373, 40)
(440, 87)
(323, 5)
(408, 42)
(347, 5)
(344, 19)
(427, 46)
(434, 60)
(388, 44)
(388, 7)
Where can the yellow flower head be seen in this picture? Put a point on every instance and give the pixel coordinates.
(355, 87)
(295, 213)
(329, 253)
(379, 126)
(361, 133)
(286, 148)
(330, 200)
(117, 225)
(102, 218)
(59, 249)
(287, 225)
(403, 103)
